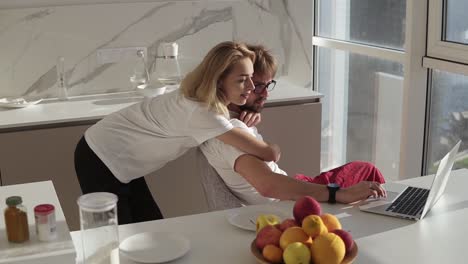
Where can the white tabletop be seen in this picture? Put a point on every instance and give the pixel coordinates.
(35, 251)
(438, 238)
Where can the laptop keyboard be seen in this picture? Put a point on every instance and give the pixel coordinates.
(410, 202)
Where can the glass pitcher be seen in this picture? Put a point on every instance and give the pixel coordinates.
(167, 69)
(99, 227)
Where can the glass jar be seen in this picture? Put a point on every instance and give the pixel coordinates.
(16, 220)
(99, 227)
(46, 227)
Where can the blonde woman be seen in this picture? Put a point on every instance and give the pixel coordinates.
(116, 152)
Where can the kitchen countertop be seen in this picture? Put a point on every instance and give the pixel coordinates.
(87, 109)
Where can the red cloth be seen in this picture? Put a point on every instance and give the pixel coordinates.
(346, 175)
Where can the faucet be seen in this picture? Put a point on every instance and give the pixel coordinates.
(141, 54)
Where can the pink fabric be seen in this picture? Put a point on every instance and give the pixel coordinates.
(346, 175)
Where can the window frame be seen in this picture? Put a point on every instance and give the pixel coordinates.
(436, 46)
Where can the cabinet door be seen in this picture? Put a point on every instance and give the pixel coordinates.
(44, 154)
(296, 129)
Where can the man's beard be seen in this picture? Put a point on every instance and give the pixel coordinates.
(256, 108)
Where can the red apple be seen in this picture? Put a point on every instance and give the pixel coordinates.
(289, 222)
(304, 207)
(268, 235)
(346, 237)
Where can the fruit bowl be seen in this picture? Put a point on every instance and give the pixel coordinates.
(348, 259)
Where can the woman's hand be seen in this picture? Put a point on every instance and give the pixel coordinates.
(360, 191)
(250, 118)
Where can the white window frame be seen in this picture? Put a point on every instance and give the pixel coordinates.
(414, 84)
(436, 46)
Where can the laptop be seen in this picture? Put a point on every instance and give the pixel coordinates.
(413, 203)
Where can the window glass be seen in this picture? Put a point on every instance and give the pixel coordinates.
(373, 22)
(448, 119)
(456, 29)
(361, 109)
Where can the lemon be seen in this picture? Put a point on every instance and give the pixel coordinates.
(296, 253)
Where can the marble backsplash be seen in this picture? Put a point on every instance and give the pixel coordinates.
(31, 40)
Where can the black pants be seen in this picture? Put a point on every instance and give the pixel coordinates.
(136, 204)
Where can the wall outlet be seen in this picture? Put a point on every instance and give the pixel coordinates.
(111, 55)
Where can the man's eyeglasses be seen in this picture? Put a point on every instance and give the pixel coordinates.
(260, 88)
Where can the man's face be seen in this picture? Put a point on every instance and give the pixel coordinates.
(255, 102)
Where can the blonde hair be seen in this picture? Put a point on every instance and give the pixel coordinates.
(265, 63)
(201, 83)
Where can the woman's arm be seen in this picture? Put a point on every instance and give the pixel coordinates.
(244, 141)
(274, 185)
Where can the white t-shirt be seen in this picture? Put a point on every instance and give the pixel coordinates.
(143, 137)
(223, 157)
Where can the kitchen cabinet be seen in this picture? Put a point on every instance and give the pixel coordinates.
(33, 155)
(296, 129)
(39, 153)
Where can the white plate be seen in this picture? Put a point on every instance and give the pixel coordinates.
(17, 102)
(154, 247)
(246, 217)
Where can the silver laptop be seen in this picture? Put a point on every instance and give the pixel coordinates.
(411, 202)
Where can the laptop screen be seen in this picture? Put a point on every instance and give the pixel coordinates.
(441, 179)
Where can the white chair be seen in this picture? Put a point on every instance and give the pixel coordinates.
(217, 194)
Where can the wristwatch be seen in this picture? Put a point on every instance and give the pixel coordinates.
(332, 189)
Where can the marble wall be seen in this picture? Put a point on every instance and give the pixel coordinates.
(31, 40)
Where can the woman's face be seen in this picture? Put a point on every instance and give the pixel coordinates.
(237, 85)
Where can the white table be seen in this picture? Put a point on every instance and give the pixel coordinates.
(60, 250)
(438, 238)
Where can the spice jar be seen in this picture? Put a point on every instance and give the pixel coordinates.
(46, 227)
(16, 220)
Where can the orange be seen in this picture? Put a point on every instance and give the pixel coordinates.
(331, 222)
(294, 234)
(273, 254)
(314, 226)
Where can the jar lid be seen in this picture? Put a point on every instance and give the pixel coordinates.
(14, 200)
(97, 201)
(44, 209)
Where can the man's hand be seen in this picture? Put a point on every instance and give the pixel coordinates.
(360, 191)
(250, 118)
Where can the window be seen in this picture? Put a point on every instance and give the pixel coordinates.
(361, 109)
(447, 59)
(369, 22)
(381, 103)
(359, 47)
(456, 24)
(448, 118)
